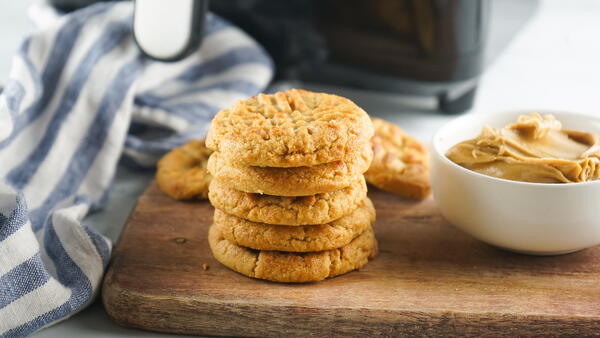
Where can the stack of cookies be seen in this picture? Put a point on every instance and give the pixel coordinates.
(288, 186)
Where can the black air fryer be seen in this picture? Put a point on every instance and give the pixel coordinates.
(424, 47)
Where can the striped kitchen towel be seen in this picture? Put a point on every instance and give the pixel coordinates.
(80, 98)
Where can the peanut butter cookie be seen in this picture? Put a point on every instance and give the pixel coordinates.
(297, 181)
(400, 163)
(313, 209)
(182, 173)
(261, 236)
(292, 267)
(294, 128)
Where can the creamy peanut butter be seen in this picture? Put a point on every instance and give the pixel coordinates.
(534, 149)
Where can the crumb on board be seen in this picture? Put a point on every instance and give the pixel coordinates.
(205, 267)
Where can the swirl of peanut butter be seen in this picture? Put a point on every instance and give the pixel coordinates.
(534, 149)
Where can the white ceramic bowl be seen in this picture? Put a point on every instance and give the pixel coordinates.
(531, 218)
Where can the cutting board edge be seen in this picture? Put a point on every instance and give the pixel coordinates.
(161, 314)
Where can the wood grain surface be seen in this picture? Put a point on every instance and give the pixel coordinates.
(429, 279)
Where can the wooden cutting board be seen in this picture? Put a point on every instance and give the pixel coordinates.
(429, 279)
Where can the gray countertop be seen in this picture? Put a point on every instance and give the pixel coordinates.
(553, 64)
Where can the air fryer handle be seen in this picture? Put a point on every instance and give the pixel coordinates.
(169, 30)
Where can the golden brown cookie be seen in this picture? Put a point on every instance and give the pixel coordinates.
(182, 173)
(293, 267)
(297, 181)
(400, 163)
(261, 236)
(313, 209)
(294, 128)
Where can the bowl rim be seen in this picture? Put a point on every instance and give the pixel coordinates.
(435, 145)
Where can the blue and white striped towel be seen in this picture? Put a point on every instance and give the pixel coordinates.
(80, 98)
